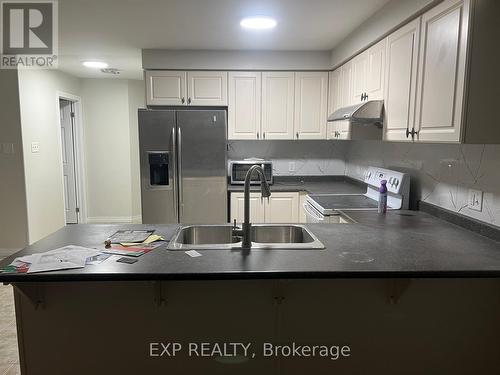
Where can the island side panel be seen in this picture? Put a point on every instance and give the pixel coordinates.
(447, 325)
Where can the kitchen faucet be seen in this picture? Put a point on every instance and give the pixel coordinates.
(265, 193)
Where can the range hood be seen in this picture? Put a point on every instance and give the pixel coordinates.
(371, 112)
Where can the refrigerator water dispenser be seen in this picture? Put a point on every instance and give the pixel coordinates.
(158, 168)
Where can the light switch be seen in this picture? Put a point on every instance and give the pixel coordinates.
(475, 200)
(35, 147)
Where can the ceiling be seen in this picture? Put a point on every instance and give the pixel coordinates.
(115, 31)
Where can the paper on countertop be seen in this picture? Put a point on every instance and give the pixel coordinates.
(152, 238)
(193, 253)
(67, 257)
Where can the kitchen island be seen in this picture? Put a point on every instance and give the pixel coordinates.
(396, 289)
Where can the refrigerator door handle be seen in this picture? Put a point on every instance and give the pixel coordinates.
(174, 152)
(179, 155)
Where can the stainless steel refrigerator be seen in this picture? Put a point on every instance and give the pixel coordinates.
(183, 166)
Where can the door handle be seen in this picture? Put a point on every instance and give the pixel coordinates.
(174, 168)
(181, 199)
(189, 100)
(183, 100)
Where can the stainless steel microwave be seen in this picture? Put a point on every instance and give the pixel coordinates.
(238, 171)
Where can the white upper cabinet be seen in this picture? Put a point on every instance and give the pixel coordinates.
(165, 87)
(375, 72)
(277, 105)
(207, 88)
(368, 74)
(334, 100)
(244, 107)
(311, 100)
(359, 70)
(441, 76)
(401, 81)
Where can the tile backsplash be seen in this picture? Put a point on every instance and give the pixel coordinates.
(442, 174)
(311, 158)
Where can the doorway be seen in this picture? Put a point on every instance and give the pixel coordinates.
(67, 115)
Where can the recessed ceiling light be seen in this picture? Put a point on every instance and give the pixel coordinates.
(258, 23)
(95, 64)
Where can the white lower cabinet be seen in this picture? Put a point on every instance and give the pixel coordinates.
(282, 207)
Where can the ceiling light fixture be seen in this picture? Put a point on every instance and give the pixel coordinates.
(258, 23)
(95, 64)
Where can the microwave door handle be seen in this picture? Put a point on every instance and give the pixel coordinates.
(174, 172)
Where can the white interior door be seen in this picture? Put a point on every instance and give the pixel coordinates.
(68, 159)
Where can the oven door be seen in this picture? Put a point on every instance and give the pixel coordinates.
(313, 215)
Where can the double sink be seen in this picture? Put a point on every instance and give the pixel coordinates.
(263, 236)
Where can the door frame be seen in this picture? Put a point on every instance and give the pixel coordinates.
(78, 139)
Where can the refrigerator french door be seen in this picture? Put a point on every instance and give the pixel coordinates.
(183, 166)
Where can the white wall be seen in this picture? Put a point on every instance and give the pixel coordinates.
(13, 214)
(136, 95)
(43, 170)
(441, 174)
(386, 19)
(111, 149)
(235, 60)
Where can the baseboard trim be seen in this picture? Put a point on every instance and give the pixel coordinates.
(114, 219)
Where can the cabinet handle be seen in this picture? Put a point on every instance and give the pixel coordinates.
(183, 100)
(413, 133)
(257, 135)
(189, 100)
(297, 135)
(366, 96)
(264, 135)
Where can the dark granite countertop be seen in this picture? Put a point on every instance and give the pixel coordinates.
(310, 184)
(400, 244)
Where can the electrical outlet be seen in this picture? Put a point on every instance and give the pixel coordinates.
(35, 147)
(475, 200)
(291, 166)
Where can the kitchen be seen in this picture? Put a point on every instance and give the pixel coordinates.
(308, 248)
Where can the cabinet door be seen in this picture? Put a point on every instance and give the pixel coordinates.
(311, 91)
(343, 127)
(207, 88)
(244, 114)
(359, 74)
(282, 208)
(277, 105)
(256, 208)
(302, 212)
(165, 87)
(401, 81)
(334, 100)
(375, 69)
(441, 76)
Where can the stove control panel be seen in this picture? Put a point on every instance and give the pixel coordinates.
(395, 180)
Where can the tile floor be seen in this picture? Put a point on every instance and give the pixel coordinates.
(9, 356)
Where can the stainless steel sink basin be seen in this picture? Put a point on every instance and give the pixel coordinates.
(264, 236)
(281, 234)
